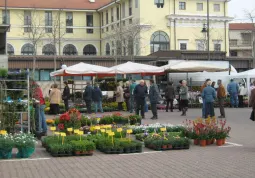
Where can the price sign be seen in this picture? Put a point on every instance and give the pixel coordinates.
(163, 129)
(76, 131)
(111, 133)
(129, 131)
(62, 134)
(57, 133)
(102, 130)
(80, 132)
(52, 128)
(69, 129)
(119, 130)
(107, 131)
(97, 127)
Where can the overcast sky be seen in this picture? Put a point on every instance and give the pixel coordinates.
(237, 7)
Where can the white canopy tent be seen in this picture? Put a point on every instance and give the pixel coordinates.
(83, 69)
(137, 68)
(196, 66)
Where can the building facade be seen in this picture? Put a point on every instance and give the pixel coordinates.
(242, 38)
(101, 27)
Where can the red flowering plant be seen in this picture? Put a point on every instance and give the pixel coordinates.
(222, 130)
(70, 119)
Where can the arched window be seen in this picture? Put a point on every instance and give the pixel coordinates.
(10, 49)
(70, 49)
(89, 50)
(159, 41)
(27, 49)
(49, 49)
(107, 49)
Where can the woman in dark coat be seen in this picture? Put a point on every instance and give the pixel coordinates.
(169, 95)
(66, 95)
(127, 95)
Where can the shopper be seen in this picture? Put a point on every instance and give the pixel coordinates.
(154, 98)
(242, 93)
(127, 95)
(55, 99)
(87, 96)
(97, 99)
(66, 95)
(221, 95)
(140, 93)
(178, 96)
(132, 98)
(40, 119)
(233, 90)
(169, 95)
(252, 104)
(203, 104)
(184, 98)
(120, 97)
(209, 95)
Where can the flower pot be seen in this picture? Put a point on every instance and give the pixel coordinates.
(90, 152)
(164, 147)
(208, 142)
(219, 142)
(77, 152)
(202, 143)
(223, 141)
(5, 153)
(169, 146)
(25, 152)
(213, 141)
(196, 142)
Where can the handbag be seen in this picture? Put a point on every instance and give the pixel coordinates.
(252, 116)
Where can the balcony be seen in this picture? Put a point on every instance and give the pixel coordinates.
(240, 44)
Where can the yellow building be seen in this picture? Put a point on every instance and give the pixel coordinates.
(96, 27)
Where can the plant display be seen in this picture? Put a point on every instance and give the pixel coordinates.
(166, 141)
(155, 128)
(207, 130)
(25, 143)
(6, 145)
(144, 135)
(70, 119)
(58, 149)
(117, 118)
(3, 73)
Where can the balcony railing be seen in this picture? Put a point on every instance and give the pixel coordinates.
(240, 43)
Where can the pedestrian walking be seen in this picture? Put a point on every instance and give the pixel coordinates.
(132, 97)
(119, 97)
(127, 95)
(184, 98)
(87, 96)
(55, 99)
(97, 99)
(66, 95)
(242, 93)
(140, 93)
(221, 95)
(154, 97)
(178, 96)
(202, 88)
(169, 95)
(233, 89)
(209, 95)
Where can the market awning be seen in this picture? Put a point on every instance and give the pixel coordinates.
(83, 69)
(137, 68)
(196, 66)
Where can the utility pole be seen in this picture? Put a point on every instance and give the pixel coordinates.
(208, 30)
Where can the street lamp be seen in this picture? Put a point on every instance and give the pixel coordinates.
(206, 29)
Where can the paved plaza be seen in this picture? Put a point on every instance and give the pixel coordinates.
(236, 159)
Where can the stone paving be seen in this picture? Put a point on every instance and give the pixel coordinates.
(235, 160)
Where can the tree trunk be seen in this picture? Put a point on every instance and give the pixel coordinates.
(34, 66)
(55, 65)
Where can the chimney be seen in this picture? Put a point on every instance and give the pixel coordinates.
(92, 1)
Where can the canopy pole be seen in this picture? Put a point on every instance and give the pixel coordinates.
(248, 89)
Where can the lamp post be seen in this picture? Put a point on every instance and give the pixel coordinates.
(206, 29)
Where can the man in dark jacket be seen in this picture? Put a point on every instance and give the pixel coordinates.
(140, 92)
(154, 98)
(87, 96)
(66, 95)
(97, 99)
(169, 95)
(178, 97)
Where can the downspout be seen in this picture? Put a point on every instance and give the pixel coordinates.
(100, 34)
(174, 27)
(225, 27)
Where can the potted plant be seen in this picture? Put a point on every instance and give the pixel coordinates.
(25, 143)
(202, 139)
(3, 73)
(164, 144)
(78, 147)
(90, 147)
(6, 145)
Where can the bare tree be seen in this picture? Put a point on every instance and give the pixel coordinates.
(126, 37)
(56, 32)
(33, 30)
(250, 15)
